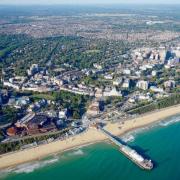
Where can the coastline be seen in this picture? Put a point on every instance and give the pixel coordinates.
(89, 137)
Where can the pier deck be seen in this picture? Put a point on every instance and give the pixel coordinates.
(129, 152)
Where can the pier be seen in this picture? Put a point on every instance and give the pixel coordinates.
(129, 152)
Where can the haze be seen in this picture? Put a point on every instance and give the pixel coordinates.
(51, 2)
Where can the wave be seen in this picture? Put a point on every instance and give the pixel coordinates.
(170, 121)
(131, 136)
(77, 152)
(28, 167)
(128, 138)
(32, 166)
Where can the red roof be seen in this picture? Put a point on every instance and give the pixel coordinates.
(11, 131)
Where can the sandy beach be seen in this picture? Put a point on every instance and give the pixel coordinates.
(89, 137)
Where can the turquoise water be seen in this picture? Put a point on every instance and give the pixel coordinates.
(103, 161)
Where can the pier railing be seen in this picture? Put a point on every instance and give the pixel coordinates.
(129, 152)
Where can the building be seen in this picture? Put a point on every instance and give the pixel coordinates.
(11, 131)
(33, 69)
(143, 68)
(142, 85)
(98, 92)
(97, 66)
(108, 77)
(48, 126)
(58, 81)
(14, 86)
(40, 124)
(117, 82)
(15, 82)
(138, 73)
(37, 88)
(156, 89)
(52, 114)
(126, 83)
(37, 105)
(111, 92)
(94, 109)
(154, 73)
(22, 122)
(127, 71)
(170, 84)
(162, 54)
(22, 101)
(142, 97)
(132, 100)
(63, 114)
(176, 52)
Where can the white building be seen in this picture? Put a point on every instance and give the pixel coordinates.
(98, 92)
(154, 73)
(117, 82)
(142, 85)
(8, 84)
(126, 83)
(142, 97)
(97, 66)
(156, 89)
(132, 100)
(112, 92)
(58, 81)
(143, 68)
(127, 71)
(170, 84)
(63, 114)
(108, 77)
(23, 101)
(138, 73)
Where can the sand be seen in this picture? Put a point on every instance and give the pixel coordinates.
(90, 136)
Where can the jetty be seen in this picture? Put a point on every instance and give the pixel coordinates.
(130, 153)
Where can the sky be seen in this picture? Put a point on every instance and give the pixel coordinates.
(26, 2)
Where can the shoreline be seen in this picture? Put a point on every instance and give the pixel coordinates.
(89, 137)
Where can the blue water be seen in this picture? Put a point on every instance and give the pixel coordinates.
(103, 161)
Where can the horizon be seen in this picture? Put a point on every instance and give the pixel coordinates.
(88, 2)
(92, 4)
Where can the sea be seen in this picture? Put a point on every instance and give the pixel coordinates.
(103, 161)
